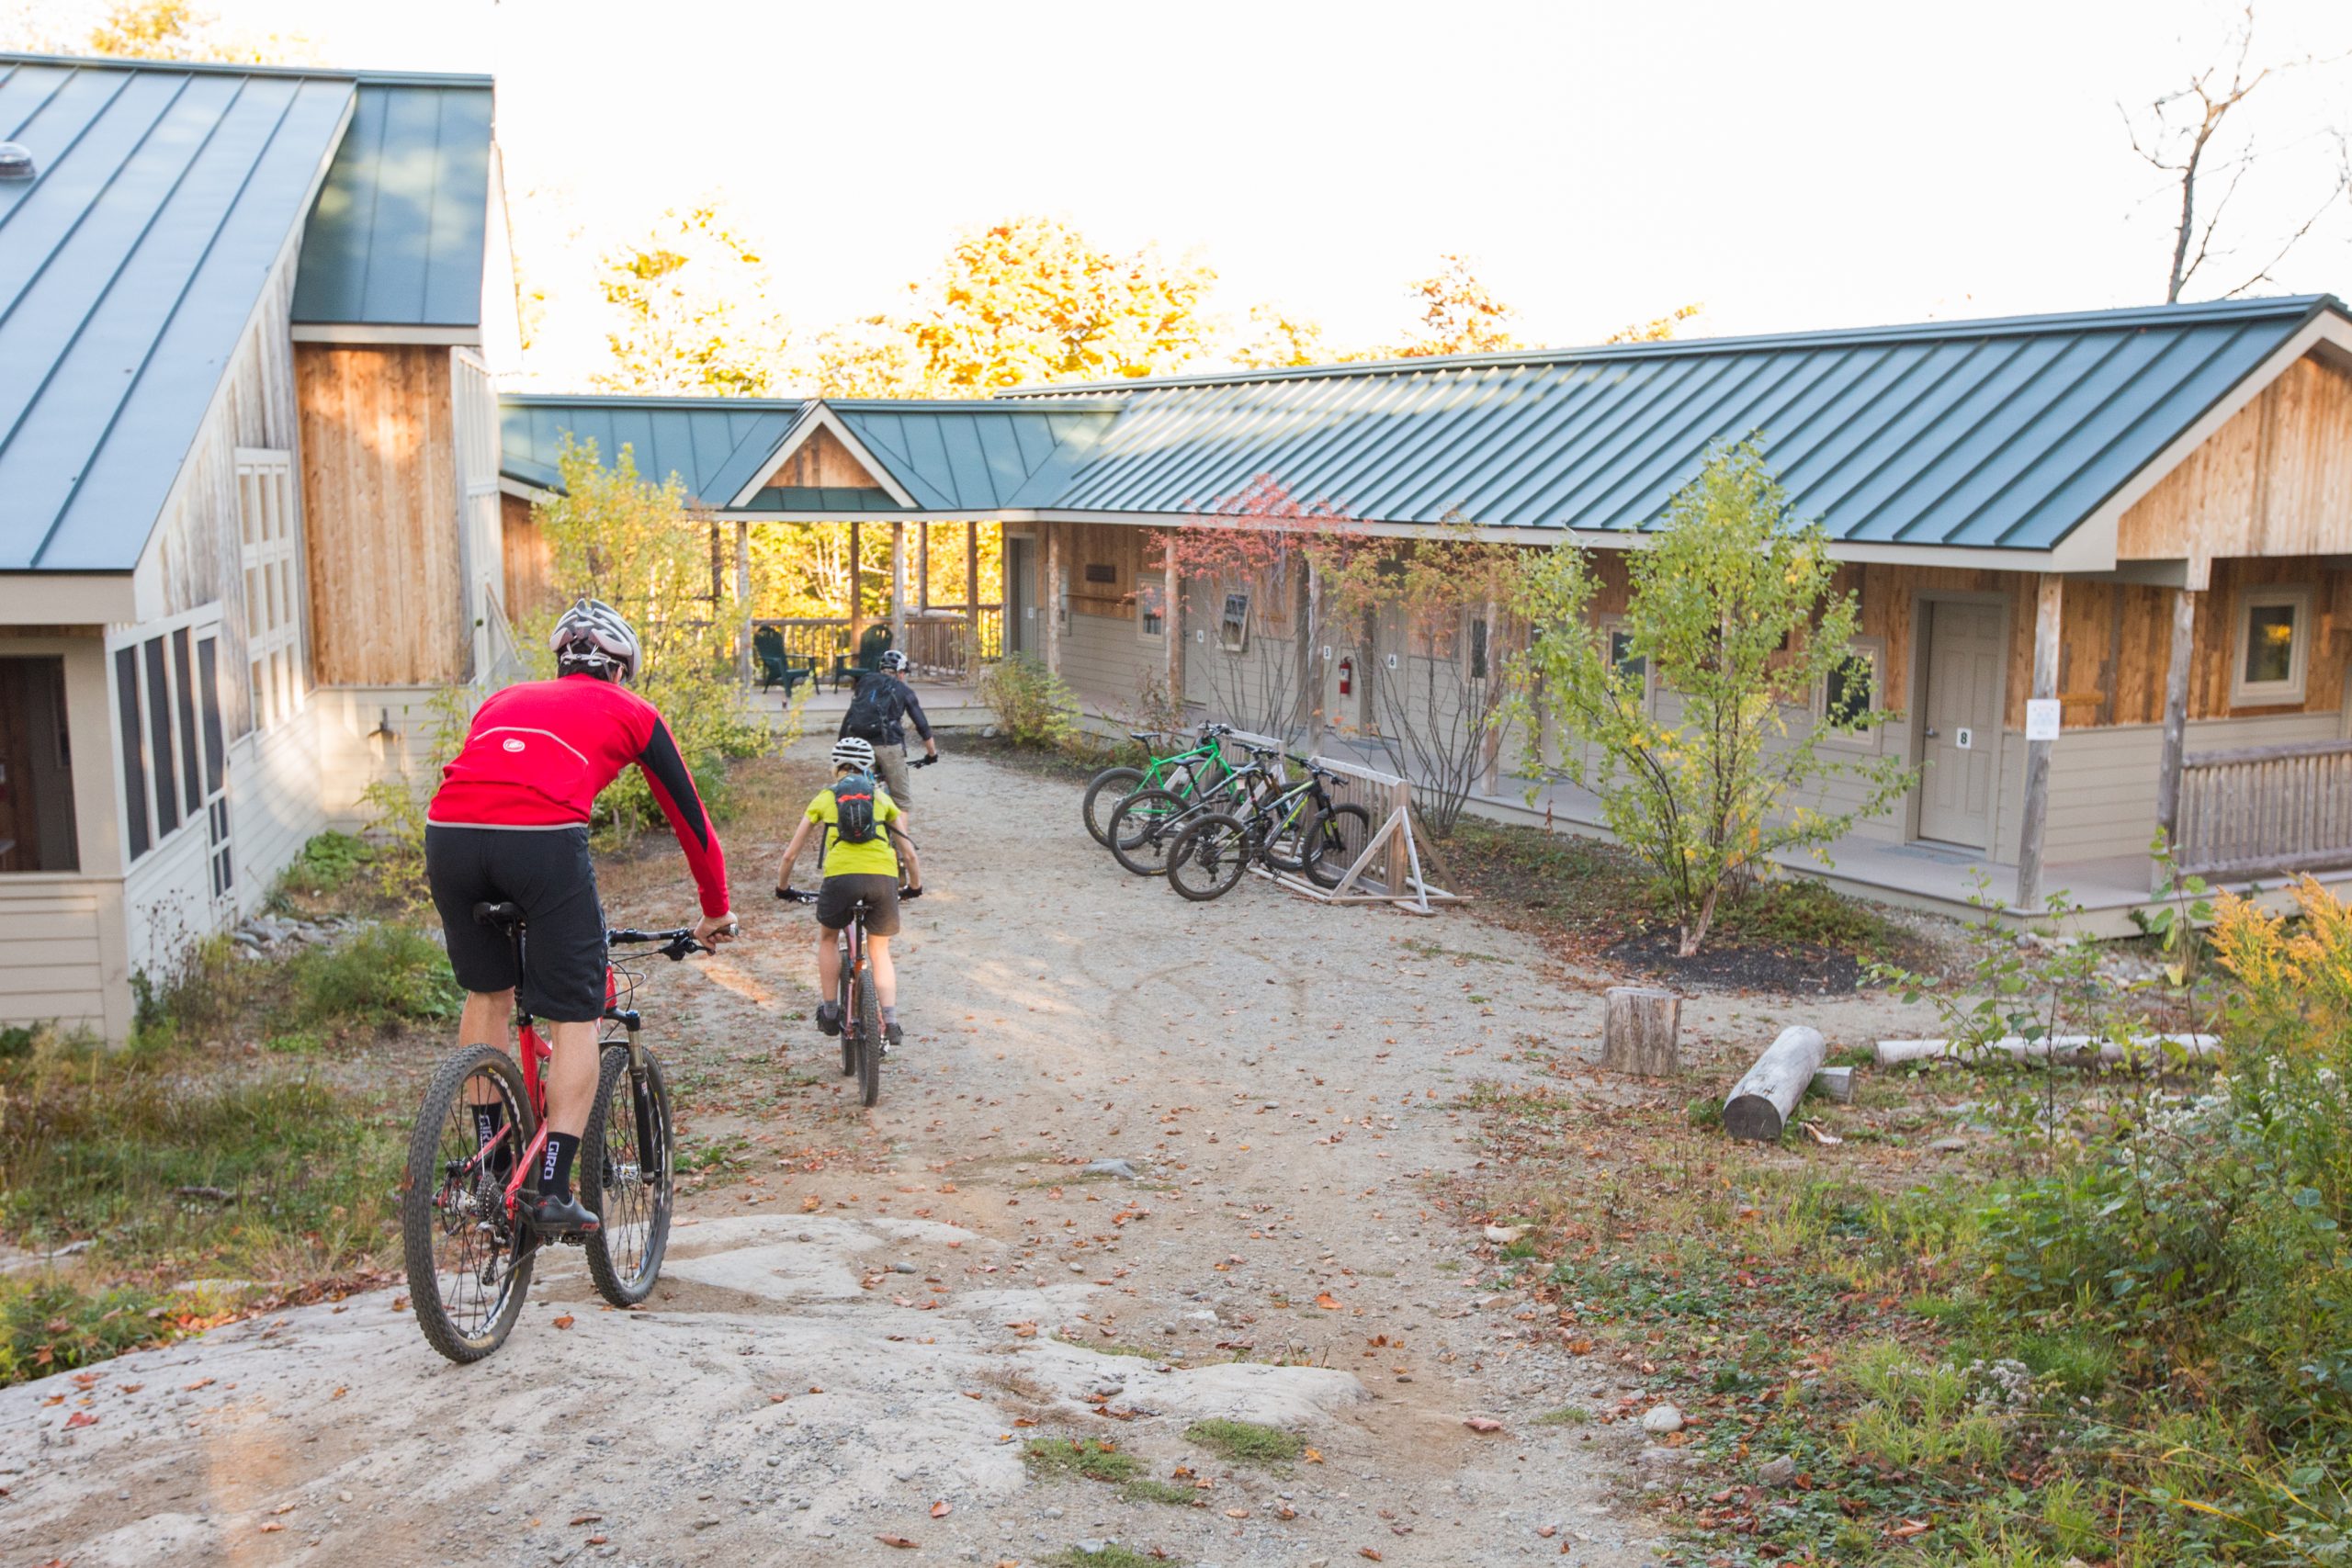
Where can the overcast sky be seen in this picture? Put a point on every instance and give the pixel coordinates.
(1792, 165)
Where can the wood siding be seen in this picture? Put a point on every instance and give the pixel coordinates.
(379, 488)
(530, 564)
(1111, 547)
(2274, 480)
(822, 462)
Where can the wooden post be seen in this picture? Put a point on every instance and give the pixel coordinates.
(1367, 670)
(2049, 599)
(1638, 1032)
(1490, 744)
(1310, 655)
(972, 596)
(1761, 1102)
(743, 600)
(855, 593)
(2175, 742)
(1049, 596)
(1172, 621)
(1400, 802)
(922, 566)
(898, 586)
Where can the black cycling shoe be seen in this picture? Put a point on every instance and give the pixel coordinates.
(890, 1038)
(552, 1216)
(828, 1019)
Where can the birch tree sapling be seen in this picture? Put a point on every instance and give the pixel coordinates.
(1732, 617)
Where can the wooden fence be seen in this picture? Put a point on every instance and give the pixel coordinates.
(2266, 809)
(939, 642)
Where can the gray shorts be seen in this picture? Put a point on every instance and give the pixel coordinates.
(890, 762)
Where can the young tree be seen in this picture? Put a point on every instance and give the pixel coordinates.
(1658, 329)
(1449, 599)
(614, 536)
(1243, 564)
(2188, 135)
(1733, 617)
(692, 311)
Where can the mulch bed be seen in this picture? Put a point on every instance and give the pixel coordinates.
(1790, 971)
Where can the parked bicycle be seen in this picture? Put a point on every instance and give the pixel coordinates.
(861, 1007)
(1145, 823)
(468, 1248)
(1199, 766)
(1296, 829)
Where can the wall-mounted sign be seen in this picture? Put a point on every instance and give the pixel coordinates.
(1098, 573)
(2042, 718)
(1964, 739)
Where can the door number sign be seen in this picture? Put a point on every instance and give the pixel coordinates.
(1964, 738)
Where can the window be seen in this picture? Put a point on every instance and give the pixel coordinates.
(265, 505)
(1477, 650)
(1851, 693)
(1620, 652)
(36, 768)
(1151, 609)
(174, 760)
(1233, 626)
(2273, 647)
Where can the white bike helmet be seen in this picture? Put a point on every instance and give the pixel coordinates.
(892, 659)
(591, 636)
(858, 754)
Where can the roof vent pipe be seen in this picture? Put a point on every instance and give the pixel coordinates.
(16, 161)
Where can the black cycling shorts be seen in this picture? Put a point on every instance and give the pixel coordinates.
(547, 871)
(836, 893)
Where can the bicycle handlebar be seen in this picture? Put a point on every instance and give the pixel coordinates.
(676, 942)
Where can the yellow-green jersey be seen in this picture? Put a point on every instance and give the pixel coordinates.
(876, 857)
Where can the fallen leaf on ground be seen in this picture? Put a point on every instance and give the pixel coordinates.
(400, 1304)
(564, 1322)
(587, 1519)
(1327, 1302)
(940, 1510)
(192, 1387)
(80, 1418)
(1482, 1424)
(898, 1540)
(1368, 1552)
(1313, 1456)
(268, 1527)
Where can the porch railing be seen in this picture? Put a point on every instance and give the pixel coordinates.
(939, 642)
(2266, 809)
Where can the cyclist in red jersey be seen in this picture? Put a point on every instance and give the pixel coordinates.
(509, 824)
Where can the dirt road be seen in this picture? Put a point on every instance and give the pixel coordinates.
(855, 1342)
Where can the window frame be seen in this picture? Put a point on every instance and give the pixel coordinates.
(1151, 604)
(162, 720)
(1610, 628)
(1873, 738)
(270, 577)
(2292, 691)
(1232, 628)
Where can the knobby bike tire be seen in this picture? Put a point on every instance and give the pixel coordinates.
(841, 1012)
(1334, 842)
(467, 1309)
(1286, 849)
(869, 1038)
(1143, 827)
(1104, 792)
(1208, 857)
(627, 1155)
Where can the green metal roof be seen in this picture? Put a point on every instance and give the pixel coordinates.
(2003, 432)
(396, 237)
(130, 265)
(715, 445)
(967, 456)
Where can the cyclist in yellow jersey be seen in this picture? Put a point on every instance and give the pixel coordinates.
(863, 854)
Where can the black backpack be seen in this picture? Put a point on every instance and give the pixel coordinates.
(854, 808)
(869, 709)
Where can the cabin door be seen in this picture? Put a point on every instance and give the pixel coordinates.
(1961, 728)
(1022, 632)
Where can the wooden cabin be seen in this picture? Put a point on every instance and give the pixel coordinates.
(248, 494)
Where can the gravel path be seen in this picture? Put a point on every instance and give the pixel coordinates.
(855, 1345)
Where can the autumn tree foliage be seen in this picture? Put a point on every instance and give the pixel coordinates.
(1026, 302)
(1459, 314)
(693, 313)
(1247, 555)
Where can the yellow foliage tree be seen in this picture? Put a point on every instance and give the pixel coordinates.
(176, 29)
(692, 311)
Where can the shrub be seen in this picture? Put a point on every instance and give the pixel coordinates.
(329, 862)
(381, 973)
(1034, 706)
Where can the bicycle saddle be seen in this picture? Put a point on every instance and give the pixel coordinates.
(499, 914)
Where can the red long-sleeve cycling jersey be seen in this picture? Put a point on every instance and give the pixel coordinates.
(539, 753)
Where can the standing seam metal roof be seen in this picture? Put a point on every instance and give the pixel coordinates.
(130, 265)
(714, 445)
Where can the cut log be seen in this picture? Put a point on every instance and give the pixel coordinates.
(1637, 1034)
(1761, 1103)
(2070, 1050)
(1837, 1083)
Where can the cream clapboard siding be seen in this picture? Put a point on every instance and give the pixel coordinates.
(352, 754)
(54, 958)
(1105, 661)
(274, 803)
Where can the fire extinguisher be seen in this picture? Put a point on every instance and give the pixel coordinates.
(1348, 676)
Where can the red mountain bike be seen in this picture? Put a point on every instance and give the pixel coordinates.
(469, 1248)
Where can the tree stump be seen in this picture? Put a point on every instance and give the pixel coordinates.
(1638, 1032)
(1761, 1103)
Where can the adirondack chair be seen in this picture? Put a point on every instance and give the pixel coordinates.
(778, 667)
(871, 646)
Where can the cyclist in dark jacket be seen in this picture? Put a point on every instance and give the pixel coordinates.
(880, 709)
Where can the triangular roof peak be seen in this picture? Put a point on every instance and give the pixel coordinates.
(819, 452)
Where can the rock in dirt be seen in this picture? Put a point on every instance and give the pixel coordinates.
(1117, 1167)
(1662, 1418)
(1778, 1470)
(1503, 1235)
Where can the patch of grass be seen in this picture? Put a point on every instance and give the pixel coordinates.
(1566, 1416)
(380, 973)
(722, 1156)
(1797, 911)
(48, 1324)
(1174, 1494)
(1112, 1347)
(1247, 1442)
(330, 862)
(1086, 1459)
(1112, 1556)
